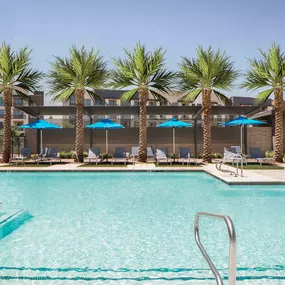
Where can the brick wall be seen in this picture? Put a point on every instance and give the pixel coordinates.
(64, 138)
(260, 137)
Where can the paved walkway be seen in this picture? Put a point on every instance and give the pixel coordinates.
(276, 176)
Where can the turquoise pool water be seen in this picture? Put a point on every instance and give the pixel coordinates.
(129, 228)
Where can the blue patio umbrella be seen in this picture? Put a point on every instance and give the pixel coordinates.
(40, 125)
(106, 124)
(242, 121)
(174, 123)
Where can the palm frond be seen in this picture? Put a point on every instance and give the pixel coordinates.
(142, 70)
(64, 95)
(83, 69)
(15, 72)
(159, 97)
(191, 96)
(94, 95)
(210, 69)
(128, 95)
(263, 96)
(222, 97)
(268, 71)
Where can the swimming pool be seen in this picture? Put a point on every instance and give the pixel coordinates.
(130, 228)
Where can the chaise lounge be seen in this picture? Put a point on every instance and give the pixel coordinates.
(24, 155)
(256, 153)
(161, 155)
(185, 155)
(120, 154)
(93, 154)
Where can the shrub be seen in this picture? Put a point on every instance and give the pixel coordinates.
(65, 154)
(269, 154)
(105, 155)
(217, 155)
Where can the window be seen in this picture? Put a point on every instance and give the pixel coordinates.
(18, 114)
(127, 103)
(136, 103)
(112, 102)
(18, 101)
(99, 102)
(151, 103)
(1, 113)
(1, 125)
(152, 125)
(87, 102)
(1, 101)
(72, 100)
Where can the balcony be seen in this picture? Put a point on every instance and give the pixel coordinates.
(18, 116)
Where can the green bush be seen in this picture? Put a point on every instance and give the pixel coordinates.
(217, 155)
(269, 154)
(65, 154)
(200, 155)
(105, 155)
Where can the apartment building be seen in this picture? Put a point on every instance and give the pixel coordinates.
(112, 98)
(18, 116)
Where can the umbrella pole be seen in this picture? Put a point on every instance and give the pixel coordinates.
(107, 141)
(173, 140)
(41, 150)
(241, 143)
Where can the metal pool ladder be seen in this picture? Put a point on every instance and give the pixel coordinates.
(232, 247)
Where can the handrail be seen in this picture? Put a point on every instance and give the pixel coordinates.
(232, 247)
(219, 167)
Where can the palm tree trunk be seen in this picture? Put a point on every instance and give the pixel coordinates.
(207, 125)
(79, 139)
(278, 144)
(6, 148)
(142, 155)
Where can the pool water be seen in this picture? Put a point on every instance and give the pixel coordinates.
(129, 228)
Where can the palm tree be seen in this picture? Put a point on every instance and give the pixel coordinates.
(79, 74)
(269, 73)
(144, 73)
(210, 72)
(17, 76)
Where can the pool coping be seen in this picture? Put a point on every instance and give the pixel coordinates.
(209, 169)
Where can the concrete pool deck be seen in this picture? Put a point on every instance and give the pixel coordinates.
(251, 177)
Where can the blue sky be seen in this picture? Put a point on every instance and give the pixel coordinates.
(51, 27)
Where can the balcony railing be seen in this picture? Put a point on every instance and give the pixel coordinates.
(14, 116)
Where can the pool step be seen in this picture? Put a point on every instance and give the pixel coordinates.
(12, 220)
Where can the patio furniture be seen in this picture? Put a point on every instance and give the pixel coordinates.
(24, 155)
(161, 155)
(50, 155)
(185, 155)
(237, 149)
(93, 154)
(135, 152)
(256, 153)
(120, 154)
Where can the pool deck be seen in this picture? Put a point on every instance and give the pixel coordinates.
(250, 177)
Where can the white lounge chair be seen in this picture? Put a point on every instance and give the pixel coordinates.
(24, 155)
(237, 149)
(93, 154)
(161, 155)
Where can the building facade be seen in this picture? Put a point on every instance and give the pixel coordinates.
(112, 98)
(18, 116)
